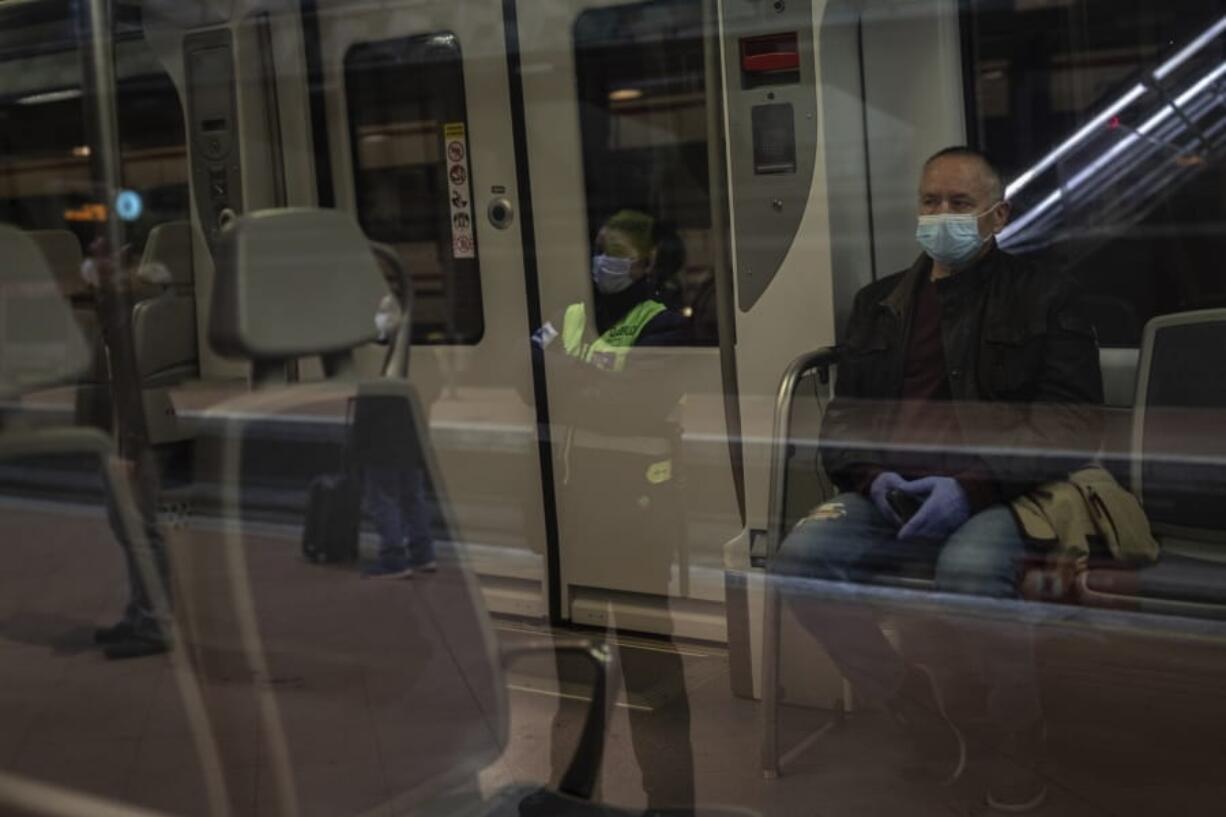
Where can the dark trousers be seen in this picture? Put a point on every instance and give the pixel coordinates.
(140, 611)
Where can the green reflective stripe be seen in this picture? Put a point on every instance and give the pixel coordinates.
(609, 350)
(573, 324)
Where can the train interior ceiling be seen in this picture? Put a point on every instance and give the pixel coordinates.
(235, 231)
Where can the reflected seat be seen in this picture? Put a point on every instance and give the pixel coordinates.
(1178, 584)
(376, 694)
(164, 325)
(1178, 471)
(42, 347)
(62, 251)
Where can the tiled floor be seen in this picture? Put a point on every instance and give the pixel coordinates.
(1136, 724)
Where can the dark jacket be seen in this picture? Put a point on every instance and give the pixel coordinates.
(1024, 377)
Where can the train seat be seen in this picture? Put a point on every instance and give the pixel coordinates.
(1176, 461)
(41, 345)
(1178, 470)
(417, 663)
(62, 251)
(164, 325)
(1178, 584)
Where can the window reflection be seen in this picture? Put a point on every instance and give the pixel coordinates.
(406, 118)
(643, 113)
(1109, 118)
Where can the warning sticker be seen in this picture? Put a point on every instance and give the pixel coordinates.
(455, 138)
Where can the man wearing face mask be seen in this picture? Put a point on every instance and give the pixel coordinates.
(964, 381)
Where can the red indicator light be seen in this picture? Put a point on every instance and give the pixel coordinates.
(770, 53)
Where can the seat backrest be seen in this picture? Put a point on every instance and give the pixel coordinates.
(368, 693)
(293, 283)
(1179, 450)
(168, 257)
(164, 327)
(62, 249)
(40, 342)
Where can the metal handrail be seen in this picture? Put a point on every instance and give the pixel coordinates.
(397, 362)
(819, 360)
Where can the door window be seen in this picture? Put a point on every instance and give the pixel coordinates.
(408, 130)
(644, 111)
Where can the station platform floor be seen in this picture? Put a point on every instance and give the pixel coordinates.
(1136, 723)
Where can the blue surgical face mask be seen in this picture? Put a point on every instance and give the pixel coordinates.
(951, 239)
(611, 274)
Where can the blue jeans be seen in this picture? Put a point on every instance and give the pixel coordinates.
(849, 540)
(396, 500)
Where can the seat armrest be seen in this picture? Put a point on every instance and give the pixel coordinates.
(580, 777)
(820, 361)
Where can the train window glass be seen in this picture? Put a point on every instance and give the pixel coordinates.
(44, 155)
(45, 149)
(643, 107)
(407, 116)
(152, 139)
(1108, 117)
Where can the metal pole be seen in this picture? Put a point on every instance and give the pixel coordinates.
(95, 40)
(98, 79)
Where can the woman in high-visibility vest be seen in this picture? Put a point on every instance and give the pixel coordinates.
(617, 472)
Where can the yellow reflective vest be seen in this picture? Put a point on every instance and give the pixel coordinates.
(608, 351)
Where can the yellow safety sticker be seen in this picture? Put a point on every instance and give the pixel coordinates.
(659, 472)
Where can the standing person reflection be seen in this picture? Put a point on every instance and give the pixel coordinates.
(618, 472)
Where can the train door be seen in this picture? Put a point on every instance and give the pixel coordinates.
(624, 137)
(419, 142)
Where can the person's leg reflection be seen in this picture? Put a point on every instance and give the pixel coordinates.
(140, 631)
(986, 557)
(849, 540)
(660, 723)
(383, 487)
(845, 540)
(417, 517)
(576, 683)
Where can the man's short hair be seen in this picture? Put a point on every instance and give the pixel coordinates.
(997, 183)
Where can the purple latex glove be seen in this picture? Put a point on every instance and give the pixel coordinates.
(883, 483)
(943, 512)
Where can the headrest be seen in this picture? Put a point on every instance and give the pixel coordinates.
(294, 283)
(167, 260)
(62, 250)
(40, 342)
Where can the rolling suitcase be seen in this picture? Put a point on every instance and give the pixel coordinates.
(333, 519)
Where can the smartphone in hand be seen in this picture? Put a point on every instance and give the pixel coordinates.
(904, 504)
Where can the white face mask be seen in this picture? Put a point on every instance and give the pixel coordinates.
(611, 274)
(952, 239)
